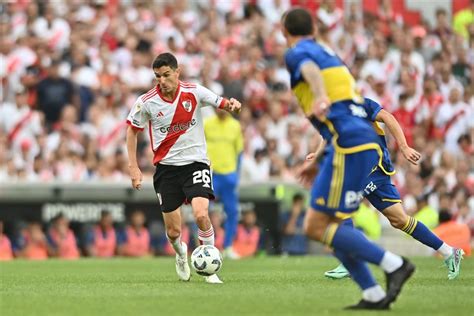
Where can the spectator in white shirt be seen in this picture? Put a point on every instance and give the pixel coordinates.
(455, 117)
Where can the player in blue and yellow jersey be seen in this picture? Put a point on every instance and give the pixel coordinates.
(384, 196)
(326, 92)
(224, 147)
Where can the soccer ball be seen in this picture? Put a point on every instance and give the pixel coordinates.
(206, 260)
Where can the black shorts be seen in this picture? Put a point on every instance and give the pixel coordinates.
(175, 185)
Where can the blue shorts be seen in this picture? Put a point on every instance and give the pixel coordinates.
(338, 188)
(380, 191)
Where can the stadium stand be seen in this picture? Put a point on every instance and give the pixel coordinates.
(69, 73)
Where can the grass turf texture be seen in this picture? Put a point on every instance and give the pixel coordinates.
(273, 286)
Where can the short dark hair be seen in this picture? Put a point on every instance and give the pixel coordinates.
(403, 97)
(440, 11)
(464, 138)
(57, 217)
(165, 59)
(444, 216)
(298, 22)
(298, 197)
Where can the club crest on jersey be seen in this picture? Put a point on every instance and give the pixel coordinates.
(187, 105)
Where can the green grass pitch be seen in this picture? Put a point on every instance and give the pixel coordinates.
(262, 286)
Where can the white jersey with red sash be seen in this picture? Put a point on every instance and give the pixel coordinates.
(21, 126)
(175, 126)
(111, 134)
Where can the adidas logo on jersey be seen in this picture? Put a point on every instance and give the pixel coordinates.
(160, 114)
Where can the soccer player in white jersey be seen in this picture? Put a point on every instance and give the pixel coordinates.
(171, 110)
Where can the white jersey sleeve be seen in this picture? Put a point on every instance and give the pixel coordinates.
(209, 98)
(139, 115)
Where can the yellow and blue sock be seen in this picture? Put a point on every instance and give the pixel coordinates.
(423, 234)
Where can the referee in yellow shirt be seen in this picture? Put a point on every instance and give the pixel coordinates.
(224, 147)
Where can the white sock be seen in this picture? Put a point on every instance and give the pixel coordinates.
(445, 250)
(176, 245)
(206, 237)
(373, 294)
(391, 262)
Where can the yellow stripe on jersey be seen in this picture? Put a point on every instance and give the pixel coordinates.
(337, 181)
(334, 181)
(344, 216)
(356, 149)
(342, 166)
(378, 129)
(305, 97)
(392, 200)
(340, 84)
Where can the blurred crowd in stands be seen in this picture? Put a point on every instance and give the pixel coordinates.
(71, 70)
(106, 239)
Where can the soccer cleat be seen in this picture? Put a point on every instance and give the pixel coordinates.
(397, 278)
(383, 304)
(454, 263)
(340, 272)
(182, 267)
(229, 253)
(213, 278)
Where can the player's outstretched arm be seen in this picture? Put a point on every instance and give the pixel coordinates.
(395, 129)
(135, 173)
(312, 75)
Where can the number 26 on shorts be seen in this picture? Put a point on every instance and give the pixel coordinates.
(203, 176)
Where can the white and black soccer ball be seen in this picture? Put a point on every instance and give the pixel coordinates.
(206, 260)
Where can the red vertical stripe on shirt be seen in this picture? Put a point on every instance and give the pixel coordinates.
(181, 118)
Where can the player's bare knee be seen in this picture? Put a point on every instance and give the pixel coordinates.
(313, 231)
(306, 227)
(396, 215)
(399, 221)
(173, 232)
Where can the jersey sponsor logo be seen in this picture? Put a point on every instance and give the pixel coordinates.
(358, 111)
(175, 128)
(136, 122)
(187, 105)
(371, 187)
(353, 199)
